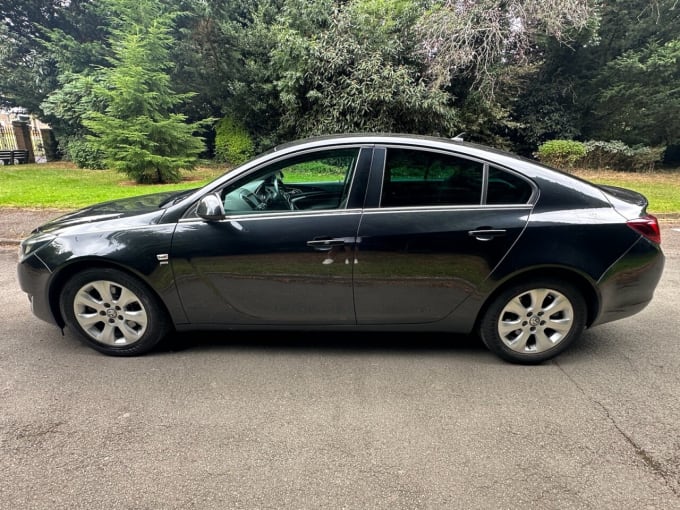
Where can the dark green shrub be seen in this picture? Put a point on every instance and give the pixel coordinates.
(84, 154)
(619, 156)
(233, 144)
(561, 153)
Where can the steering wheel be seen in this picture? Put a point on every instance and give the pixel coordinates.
(253, 200)
(276, 192)
(280, 190)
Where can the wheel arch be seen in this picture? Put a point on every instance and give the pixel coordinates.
(580, 281)
(59, 280)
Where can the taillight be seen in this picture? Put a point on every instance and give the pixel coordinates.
(648, 226)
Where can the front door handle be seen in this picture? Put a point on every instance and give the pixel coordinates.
(487, 234)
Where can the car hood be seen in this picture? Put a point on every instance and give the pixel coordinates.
(124, 208)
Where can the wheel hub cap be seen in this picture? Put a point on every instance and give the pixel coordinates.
(536, 320)
(110, 313)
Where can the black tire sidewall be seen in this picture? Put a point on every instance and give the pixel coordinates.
(488, 329)
(157, 323)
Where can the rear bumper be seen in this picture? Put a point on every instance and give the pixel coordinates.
(628, 285)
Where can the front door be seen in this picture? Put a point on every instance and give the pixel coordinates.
(283, 253)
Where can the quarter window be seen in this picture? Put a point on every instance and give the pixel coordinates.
(506, 188)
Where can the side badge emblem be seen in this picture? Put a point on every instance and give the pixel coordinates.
(163, 259)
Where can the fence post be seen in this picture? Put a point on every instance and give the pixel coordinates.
(22, 133)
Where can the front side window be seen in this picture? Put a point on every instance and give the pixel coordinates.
(319, 180)
(422, 178)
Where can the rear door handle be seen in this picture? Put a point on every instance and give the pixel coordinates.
(326, 243)
(487, 234)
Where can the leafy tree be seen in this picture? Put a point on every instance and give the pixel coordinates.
(603, 84)
(484, 52)
(358, 74)
(479, 38)
(32, 58)
(138, 131)
(206, 53)
(627, 89)
(640, 95)
(250, 93)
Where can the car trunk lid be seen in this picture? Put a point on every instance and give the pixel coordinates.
(633, 207)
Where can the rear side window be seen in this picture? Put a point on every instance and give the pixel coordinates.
(507, 188)
(421, 178)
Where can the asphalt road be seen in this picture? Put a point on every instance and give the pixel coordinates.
(341, 421)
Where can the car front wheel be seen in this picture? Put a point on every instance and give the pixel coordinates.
(532, 322)
(113, 312)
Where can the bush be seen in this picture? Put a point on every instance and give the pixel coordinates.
(233, 144)
(561, 153)
(84, 154)
(619, 156)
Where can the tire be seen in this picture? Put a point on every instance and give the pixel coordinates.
(113, 312)
(531, 322)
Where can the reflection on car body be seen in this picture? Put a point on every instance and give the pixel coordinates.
(368, 232)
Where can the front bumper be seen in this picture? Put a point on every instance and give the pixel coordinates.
(34, 279)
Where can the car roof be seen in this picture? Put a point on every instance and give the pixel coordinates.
(422, 141)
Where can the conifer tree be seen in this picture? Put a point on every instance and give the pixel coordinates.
(138, 131)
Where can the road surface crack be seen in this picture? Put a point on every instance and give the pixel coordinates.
(640, 452)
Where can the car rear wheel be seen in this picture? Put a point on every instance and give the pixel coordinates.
(113, 312)
(532, 322)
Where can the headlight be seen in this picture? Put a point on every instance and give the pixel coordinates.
(34, 243)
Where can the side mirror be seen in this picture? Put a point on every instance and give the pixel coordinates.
(210, 208)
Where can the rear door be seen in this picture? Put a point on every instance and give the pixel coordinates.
(434, 227)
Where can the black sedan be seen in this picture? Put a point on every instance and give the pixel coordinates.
(354, 233)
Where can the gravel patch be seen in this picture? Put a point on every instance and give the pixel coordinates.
(16, 223)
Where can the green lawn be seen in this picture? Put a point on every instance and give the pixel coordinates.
(662, 188)
(62, 186)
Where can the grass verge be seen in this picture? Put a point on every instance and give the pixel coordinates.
(662, 188)
(63, 186)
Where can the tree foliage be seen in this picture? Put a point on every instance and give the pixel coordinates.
(603, 84)
(359, 74)
(512, 73)
(137, 130)
(233, 144)
(479, 37)
(639, 97)
(31, 57)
